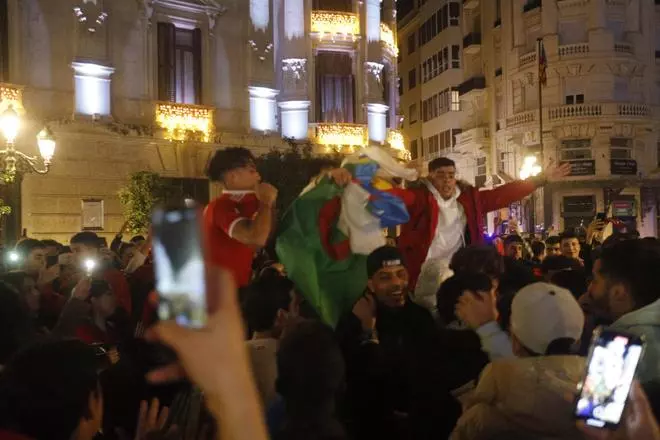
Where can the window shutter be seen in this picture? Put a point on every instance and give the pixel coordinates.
(166, 65)
(4, 41)
(197, 64)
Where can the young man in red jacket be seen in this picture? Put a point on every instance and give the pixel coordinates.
(446, 215)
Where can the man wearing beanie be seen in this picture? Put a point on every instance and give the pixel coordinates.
(388, 344)
(523, 397)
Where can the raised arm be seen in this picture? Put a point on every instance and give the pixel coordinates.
(252, 232)
(503, 196)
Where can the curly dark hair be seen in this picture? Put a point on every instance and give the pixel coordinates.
(227, 160)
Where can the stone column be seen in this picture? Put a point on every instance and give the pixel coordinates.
(597, 14)
(518, 23)
(263, 107)
(373, 73)
(294, 100)
(549, 19)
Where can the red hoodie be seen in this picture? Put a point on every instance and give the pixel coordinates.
(417, 235)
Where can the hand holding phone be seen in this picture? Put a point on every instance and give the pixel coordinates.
(638, 421)
(611, 366)
(179, 265)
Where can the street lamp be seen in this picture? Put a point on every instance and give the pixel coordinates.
(10, 124)
(530, 167)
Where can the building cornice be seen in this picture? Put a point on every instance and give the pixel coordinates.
(195, 7)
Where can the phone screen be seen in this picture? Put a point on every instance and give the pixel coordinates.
(611, 369)
(179, 265)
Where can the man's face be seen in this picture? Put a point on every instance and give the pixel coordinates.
(31, 294)
(35, 261)
(598, 291)
(82, 252)
(243, 179)
(514, 250)
(570, 247)
(444, 181)
(553, 249)
(51, 251)
(390, 286)
(105, 305)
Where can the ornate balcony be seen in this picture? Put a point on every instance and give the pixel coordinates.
(571, 50)
(11, 95)
(339, 136)
(624, 48)
(345, 26)
(575, 111)
(346, 138)
(527, 58)
(185, 121)
(387, 38)
(397, 143)
(336, 25)
(522, 118)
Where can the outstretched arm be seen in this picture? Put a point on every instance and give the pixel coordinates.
(503, 196)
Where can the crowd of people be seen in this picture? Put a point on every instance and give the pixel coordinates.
(491, 345)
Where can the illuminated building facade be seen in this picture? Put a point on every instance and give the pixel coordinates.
(599, 105)
(131, 85)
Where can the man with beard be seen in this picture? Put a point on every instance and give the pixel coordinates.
(625, 288)
(394, 388)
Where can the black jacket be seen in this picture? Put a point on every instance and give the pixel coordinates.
(396, 389)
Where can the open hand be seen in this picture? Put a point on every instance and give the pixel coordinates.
(152, 419)
(365, 311)
(341, 176)
(555, 173)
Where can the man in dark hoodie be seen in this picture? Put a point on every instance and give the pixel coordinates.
(395, 382)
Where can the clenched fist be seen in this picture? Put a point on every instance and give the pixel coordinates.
(266, 193)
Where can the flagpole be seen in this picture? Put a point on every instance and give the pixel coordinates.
(539, 43)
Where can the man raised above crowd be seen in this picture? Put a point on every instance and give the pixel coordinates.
(240, 221)
(446, 214)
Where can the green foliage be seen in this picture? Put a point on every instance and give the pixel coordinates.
(291, 170)
(4, 209)
(144, 190)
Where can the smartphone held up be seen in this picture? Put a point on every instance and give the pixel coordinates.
(611, 366)
(179, 265)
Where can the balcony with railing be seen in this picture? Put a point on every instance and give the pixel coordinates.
(335, 26)
(472, 43)
(574, 111)
(522, 118)
(597, 110)
(185, 121)
(346, 138)
(572, 50)
(474, 83)
(624, 48)
(527, 58)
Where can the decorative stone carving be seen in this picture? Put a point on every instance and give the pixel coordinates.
(294, 74)
(90, 15)
(374, 79)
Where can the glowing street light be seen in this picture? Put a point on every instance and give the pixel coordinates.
(530, 167)
(10, 124)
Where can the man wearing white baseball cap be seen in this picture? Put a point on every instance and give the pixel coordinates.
(523, 397)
